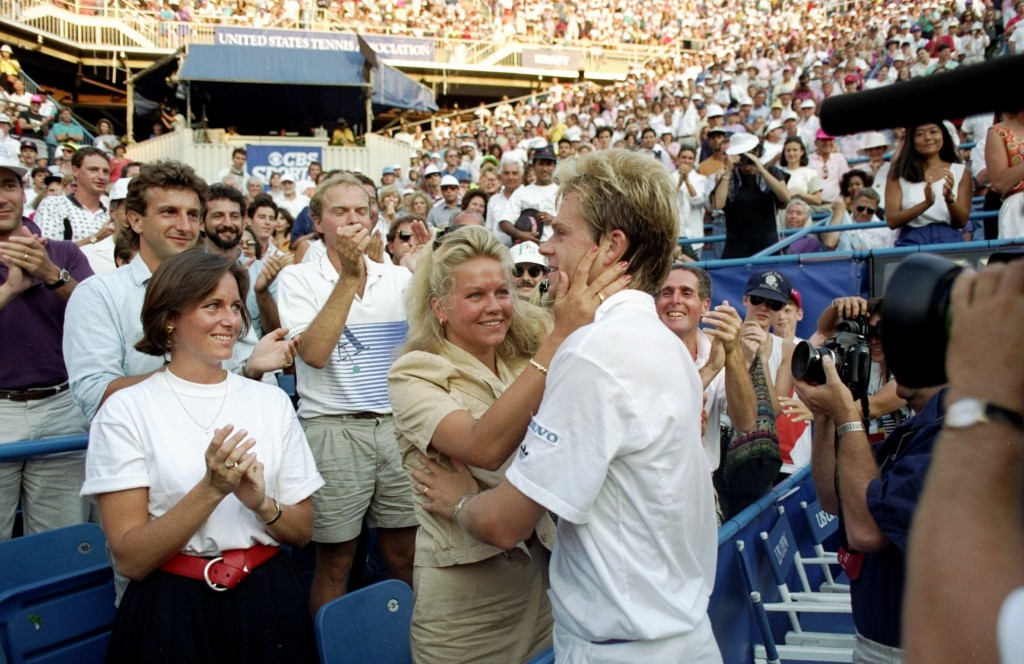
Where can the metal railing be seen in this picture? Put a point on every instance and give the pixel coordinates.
(117, 28)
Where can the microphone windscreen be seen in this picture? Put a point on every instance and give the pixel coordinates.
(994, 85)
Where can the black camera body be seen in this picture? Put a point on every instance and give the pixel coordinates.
(848, 349)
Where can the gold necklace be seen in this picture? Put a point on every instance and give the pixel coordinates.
(206, 429)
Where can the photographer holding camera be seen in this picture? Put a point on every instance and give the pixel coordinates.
(875, 491)
(750, 194)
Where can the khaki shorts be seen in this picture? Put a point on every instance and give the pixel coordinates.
(362, 471)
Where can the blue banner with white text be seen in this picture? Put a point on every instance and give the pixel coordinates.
(388, 47)
(262, 160)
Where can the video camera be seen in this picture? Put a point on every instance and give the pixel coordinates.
(915, 319)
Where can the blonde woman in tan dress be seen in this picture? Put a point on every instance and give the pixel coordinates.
(472, 375)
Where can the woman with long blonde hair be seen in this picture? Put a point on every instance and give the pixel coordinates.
(473, 371)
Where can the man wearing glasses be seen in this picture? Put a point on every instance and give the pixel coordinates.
(865, 210)
(400, 239)
(441, 214)
(767, 293)
(530, 268)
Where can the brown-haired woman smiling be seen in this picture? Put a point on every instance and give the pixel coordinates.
(200, 474)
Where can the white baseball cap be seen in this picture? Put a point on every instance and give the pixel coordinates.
(528, 252)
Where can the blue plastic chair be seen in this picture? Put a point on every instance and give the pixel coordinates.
(368, 625)
(809, 647)
(56, 597)
(546, 657)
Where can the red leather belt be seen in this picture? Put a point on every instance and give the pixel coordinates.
(223, 572)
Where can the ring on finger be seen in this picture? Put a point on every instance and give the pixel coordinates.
(601, 296)
(24, 257)
(229, 464)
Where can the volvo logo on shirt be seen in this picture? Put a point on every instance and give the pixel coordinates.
(542, 433)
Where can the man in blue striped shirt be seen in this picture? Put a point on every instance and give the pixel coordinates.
(349, 313)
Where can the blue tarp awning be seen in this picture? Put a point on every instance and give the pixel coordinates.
(255, 87)
(255, 64)
(217, 63)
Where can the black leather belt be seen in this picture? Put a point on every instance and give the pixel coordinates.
(32, 394)
(366, 415)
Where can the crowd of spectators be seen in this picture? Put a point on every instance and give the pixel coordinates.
(717, 28)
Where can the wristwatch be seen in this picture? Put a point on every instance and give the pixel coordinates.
(63, 279)
(965, 413)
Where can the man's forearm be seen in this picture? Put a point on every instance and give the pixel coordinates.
(121, 383)
(968, 533)
(742, 404)
(823, 464)
(856, 469)
(269, 317)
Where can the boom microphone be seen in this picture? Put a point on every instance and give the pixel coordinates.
(994, 85)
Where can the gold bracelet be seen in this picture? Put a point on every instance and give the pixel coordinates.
(538, 366)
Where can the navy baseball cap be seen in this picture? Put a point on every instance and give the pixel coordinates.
(544, 154)
(771, 285)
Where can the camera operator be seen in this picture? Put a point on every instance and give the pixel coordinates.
(874, 490)
(967, 544)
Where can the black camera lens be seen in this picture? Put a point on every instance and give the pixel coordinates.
(915, 316)
(806, 364)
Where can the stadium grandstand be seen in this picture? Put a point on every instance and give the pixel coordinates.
(814, 151)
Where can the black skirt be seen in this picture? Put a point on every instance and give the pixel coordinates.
(169, 618)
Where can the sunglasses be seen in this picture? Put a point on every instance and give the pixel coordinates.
(249, 243)
(404, 236)
(774, 305)
(864, 208)
(534, 271)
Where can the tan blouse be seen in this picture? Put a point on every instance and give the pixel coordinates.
(424, 389)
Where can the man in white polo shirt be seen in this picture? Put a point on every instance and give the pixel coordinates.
(350, 313)
(615, 447)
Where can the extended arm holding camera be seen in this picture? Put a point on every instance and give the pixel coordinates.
(720, 194)
(777, 186)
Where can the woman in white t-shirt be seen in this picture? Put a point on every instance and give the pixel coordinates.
(927, 196)
(804, 182)
(200, 475)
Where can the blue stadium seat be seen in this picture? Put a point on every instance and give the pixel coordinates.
(822, 527)
(813, 647)
(56, 597)
(368, 625)
(546, 657)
